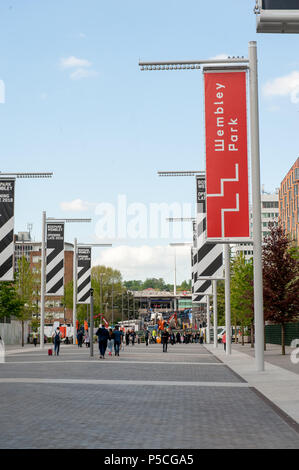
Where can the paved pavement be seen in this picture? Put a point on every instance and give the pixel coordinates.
(187, 398)
(272, 355)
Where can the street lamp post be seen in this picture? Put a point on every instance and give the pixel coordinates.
(91, 322)
(256, 209)
(215, 313)
(251, 64)
(208, 320)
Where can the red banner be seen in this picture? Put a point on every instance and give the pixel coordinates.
(226, 155)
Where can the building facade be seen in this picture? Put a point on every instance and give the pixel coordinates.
(269, 213)
(289, 202)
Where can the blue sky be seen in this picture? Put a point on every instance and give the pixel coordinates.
(77, 104)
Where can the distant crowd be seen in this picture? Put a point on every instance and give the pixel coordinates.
(115, 339)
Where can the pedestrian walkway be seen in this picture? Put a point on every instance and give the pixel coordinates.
(186, 398)
(278, 384)
(272, 355)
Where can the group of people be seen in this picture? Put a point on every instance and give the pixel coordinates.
(130, 337)
(83, 337)
(111, 339)
(176, 338)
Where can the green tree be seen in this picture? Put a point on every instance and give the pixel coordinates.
(280, 279)
(10, 303)
(242, 307)
(25, 281)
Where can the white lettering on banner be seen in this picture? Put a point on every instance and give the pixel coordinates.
(219, 143)
(234, 137)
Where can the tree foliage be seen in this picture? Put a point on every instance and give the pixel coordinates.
(242, 305)
(10, 303)
(280, 278)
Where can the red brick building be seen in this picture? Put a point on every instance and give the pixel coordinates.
(289, 202)
(54, 305)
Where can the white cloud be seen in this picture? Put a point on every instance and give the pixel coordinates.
(288, 85)
(77, 205)
(74, 62)
(82, 73)
(140, 262)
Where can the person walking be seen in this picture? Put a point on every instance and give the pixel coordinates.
(164, 339)
(146, 335)
(133, 336)
(80, 338)
(57, 340)
(87, 340)
(110, 342)
(178, 337)
(128, 338)
(224, 341)
(117, 340)
(102, 335)
(34, 335)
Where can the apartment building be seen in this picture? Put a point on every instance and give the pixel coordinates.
(269, 213)
(289, 202)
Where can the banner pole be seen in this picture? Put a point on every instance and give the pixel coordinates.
(256, 209)
(75, 290)
(215, 313)
(208, 320)
(42, 286)
(227, 300)
(91, 322)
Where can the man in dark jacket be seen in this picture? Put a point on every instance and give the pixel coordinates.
(146, 335)
(117, 340)
(164, 339)
(102, 335)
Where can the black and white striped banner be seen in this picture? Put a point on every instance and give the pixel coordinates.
(207, 257)
(7, 197)
(84, 275)
(55, 259)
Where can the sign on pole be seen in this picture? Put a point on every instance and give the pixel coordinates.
(84, 275)
(208, 258)
(55, 259)
(226, 155)
(7, 197)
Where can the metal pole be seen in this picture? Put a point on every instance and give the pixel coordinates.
(215, 313)
(101, 293)
(208, 320)
(174, 286)
(256, 209)
(227, 299)
(122, 306)
(112, 306)
(91, 322)
(75, 276)
(128, 307)
(43, 278)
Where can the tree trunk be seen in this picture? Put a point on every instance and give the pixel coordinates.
(252, 336)
(22, 333)
(283, 349)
